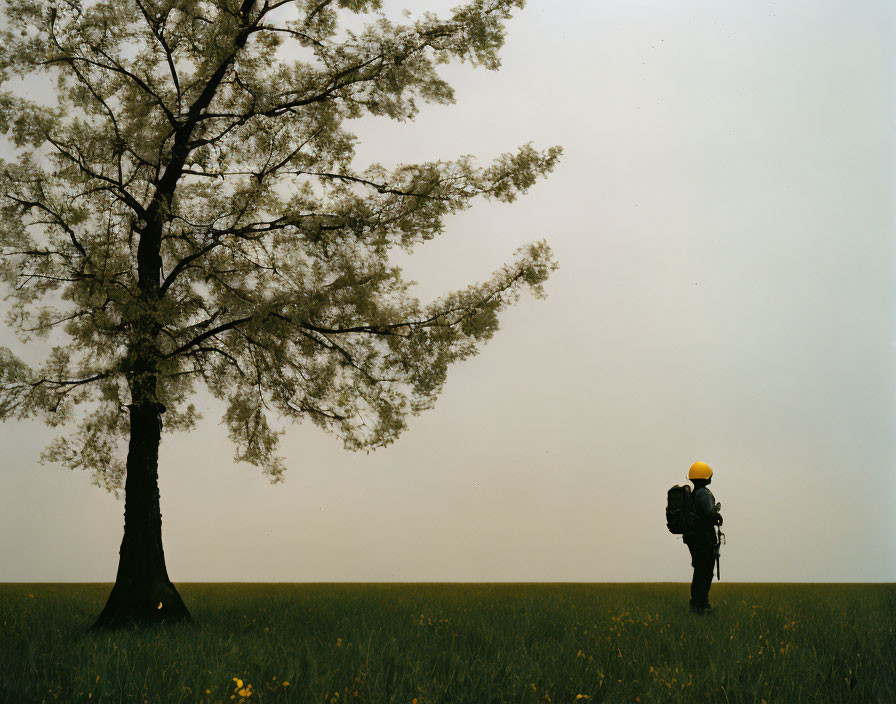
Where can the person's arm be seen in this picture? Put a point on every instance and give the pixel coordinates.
(707, 508)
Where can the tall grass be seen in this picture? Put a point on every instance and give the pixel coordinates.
(477, 643)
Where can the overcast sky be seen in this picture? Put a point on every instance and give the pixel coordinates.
(723, 219)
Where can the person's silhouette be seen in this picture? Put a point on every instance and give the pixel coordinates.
(701, 538)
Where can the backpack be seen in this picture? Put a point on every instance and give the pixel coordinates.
(681, 516)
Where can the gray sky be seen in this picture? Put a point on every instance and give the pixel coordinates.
(723, 221)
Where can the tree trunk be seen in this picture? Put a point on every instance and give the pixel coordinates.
(142, 594)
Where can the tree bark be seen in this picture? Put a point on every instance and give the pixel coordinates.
(142, 594)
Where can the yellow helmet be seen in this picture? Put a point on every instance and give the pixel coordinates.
(700, 470)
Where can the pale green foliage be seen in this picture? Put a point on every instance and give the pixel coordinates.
(276, 287)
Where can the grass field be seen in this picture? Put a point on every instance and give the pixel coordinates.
(477, 643)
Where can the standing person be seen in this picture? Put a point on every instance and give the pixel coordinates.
(701, 538)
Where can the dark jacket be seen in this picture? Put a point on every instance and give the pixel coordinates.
(708, 515)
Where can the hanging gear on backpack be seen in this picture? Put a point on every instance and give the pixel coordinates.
(681, 515)
(720, 540)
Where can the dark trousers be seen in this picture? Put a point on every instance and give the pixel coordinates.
(702, 560)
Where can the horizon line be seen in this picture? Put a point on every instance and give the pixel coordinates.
(321, 582)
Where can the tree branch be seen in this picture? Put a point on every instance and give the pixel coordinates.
(207, 334)
(184, 264)
(57, 219)
(117, 188)
(115, 68)
(159, 34)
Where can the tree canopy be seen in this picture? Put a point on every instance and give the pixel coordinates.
(188, 211)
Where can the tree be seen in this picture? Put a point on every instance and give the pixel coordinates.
(188, 211)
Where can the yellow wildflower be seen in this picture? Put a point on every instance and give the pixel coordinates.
(239, 682)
